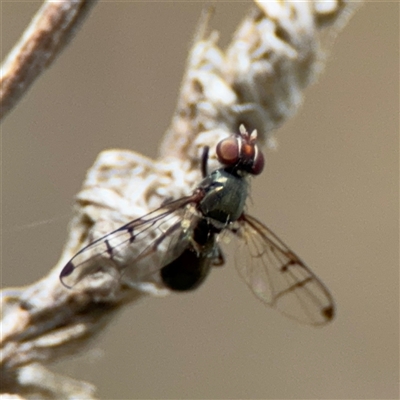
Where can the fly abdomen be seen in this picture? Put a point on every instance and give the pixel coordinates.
(187, 272)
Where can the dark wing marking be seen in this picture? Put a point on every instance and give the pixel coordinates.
(278, 277)
(123, 250)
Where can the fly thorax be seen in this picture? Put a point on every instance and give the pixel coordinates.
(225, 196)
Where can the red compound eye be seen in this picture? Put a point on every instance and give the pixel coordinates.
(241, 152)
(258, 162)
(228, 151)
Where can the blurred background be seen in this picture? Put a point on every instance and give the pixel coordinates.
(330, 192)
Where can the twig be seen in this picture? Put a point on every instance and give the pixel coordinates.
(53, 26)
(259, 81)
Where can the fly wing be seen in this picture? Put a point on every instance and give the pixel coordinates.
(136, 249)
(278, 277)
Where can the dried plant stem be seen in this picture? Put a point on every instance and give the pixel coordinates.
(259, 81)
(53, 26)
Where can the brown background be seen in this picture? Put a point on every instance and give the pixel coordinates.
(331, 192)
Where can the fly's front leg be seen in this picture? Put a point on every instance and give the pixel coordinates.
(204, 161)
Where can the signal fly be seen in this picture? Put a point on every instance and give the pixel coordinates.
(181, 241)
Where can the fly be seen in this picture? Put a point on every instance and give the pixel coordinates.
(184, 241)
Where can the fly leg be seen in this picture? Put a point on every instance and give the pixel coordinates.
(204, 161)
